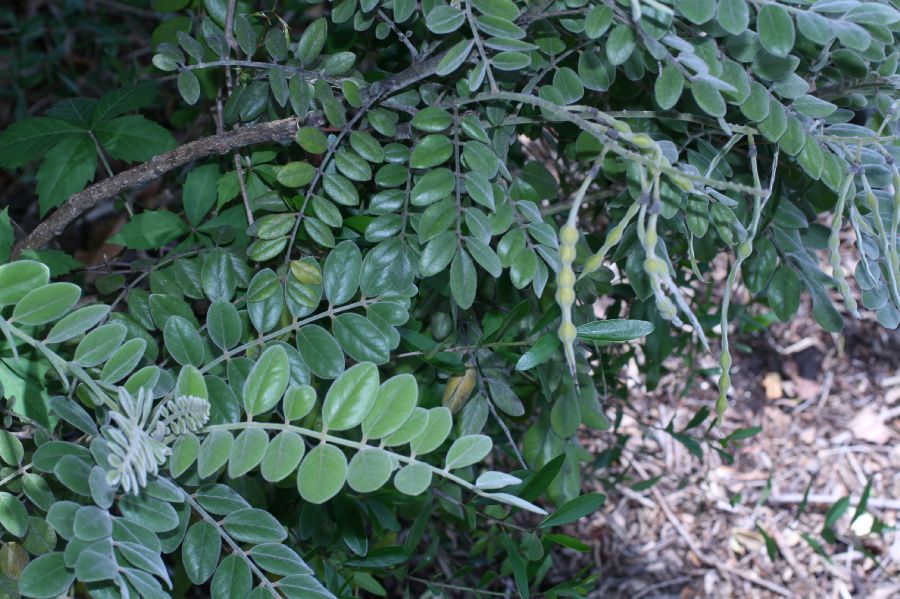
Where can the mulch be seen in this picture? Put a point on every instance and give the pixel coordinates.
(829, 408)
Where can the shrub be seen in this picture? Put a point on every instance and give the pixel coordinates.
(289, 383)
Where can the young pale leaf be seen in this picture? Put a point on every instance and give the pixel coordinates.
(468, 450)
(247, 451)
(351, 397)
(322, 474)
(397, 398)
(282, 456)
(184, 453)
(46, 304)
(214, 452)
(77, 323)
(369, 470)
(98, 345)
(267, 381)
(413, 479)
(496, 480)
(518, 502)
(17, 279)
(434, 433)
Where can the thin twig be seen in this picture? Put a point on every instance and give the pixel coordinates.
(490, 402)
(403, 37)
(239, 170)
(229, 25)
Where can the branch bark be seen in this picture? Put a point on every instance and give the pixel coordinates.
(155, 167)
(221, 143)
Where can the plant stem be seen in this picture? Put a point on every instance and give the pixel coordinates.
(357, 445)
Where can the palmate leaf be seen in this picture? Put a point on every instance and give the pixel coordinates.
(126, 99)
(133, 138)
(66, 169)
(31, 138)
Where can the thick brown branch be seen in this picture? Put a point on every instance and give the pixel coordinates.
(157, 166)
(221, 143)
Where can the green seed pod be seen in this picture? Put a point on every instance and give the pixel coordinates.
(566, 254)
(643, 141)
(568, 235)
(896, 184)
(682, 182)
(593, 263)
(871, 201)
(725, 361)
(655, 267)
(666, 308)
(834, 250)
(745, 249)
(567, 332)
(621, 127)
(565, 295)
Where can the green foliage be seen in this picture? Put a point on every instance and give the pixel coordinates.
(289, 383)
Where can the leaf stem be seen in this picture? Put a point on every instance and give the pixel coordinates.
(230, 542)
(357, 445)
